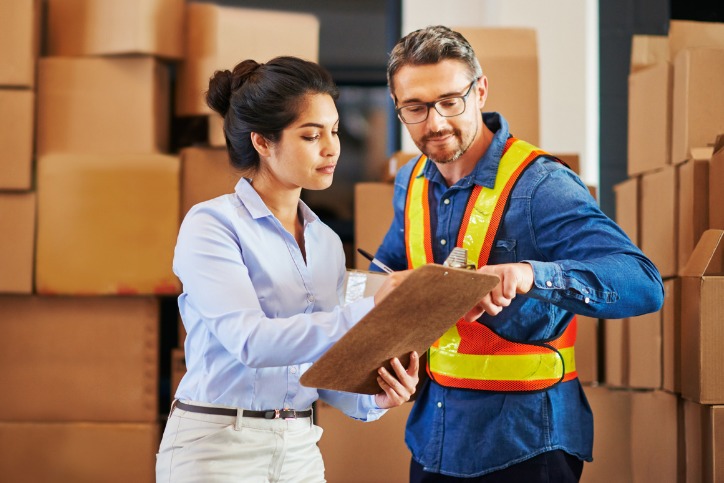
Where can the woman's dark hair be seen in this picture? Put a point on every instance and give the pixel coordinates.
(263, 98)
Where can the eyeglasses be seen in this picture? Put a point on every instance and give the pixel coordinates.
(447, 107)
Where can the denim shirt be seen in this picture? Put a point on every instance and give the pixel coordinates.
(583, 263)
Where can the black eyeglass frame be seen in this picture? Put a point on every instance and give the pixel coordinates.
(434, 104)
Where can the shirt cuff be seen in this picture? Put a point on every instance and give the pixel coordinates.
(546, 275)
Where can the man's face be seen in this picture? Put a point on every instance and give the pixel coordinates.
(442, 139)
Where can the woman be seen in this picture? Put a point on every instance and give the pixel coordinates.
(262, 279)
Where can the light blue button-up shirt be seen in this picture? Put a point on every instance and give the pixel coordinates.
(257, 315)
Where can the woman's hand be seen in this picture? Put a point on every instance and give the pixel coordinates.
(397, 390)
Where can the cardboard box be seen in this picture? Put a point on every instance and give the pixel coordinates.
(216, 136)
(716, 181)
(218, 38)
(205, 174)
(671, 335)
(611, 436)
(17, 225)
(107, 224)
(79, 359)
(102, 105)
(396, 161)
(628, 208)
(373, 213)
(587, 349)
(659, 232)
(361, 283)
(644, 351)
(89, 27)
(513, 64)
(615, 346)
(648, 50)
(75, 452)
(687, 34)
(704, 442)
(572, 160)
(654, 437)
(19, 42)
(696, 111)
(649, 119)
(702, 320)
(360, 452)
(17, 123)
(693, 206)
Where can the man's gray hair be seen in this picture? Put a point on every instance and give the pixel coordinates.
(429, 46)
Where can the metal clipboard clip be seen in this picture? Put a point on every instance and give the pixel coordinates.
(458, 258)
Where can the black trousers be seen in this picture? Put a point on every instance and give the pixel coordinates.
(551, 467)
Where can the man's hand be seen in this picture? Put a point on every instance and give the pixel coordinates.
(396, 391)
(515, 278)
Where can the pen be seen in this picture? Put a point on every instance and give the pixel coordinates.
(372, 259)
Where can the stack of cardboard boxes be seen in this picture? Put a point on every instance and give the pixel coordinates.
(667, 366)
(90, 205)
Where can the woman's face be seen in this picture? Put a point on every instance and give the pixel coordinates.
(306, 154)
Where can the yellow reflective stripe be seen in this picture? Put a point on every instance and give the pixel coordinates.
(450, 340)
(522, 367)
(415, 214)
(480, 217)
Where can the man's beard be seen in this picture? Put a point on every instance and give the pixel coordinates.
(443, 158)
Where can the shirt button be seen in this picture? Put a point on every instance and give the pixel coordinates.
(439, 404)
(549, 283)
(587, 300)
(293, 370)
(443, 242)
(310, 298)
(446, 201)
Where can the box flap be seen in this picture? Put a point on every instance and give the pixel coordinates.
(687, 34)
(719, 143)
(648, 50)
(708, 256)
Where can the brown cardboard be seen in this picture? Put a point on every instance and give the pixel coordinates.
(671, 335)
(218, 38)
(373, 213)
(716, 193)
(364, 452)
(178, 368)
(102, 105)
(615, 347)
(79, 359)
(704, 442)
(611, 436)
(75, 452)
(693, 206)
(89, 27)
(628, 207)
(17, 121)
(644, 351)
(107, 224)
(587, 349)
(509, 58)
(659, 191)
(19, 42)
(205, 174)
(649, 118)
(361, 283)
(351, 364)
(654, 437)
(217, 139)
(17, 225)
(696, 114)
(702, 313)
(396, 161)
(572, 160)
(648, 50)
(687, 34)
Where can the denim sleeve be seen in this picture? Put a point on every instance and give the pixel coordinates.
(587, 264)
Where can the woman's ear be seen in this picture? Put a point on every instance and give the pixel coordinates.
(261, 144)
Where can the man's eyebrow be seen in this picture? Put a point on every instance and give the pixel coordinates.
(441, 96)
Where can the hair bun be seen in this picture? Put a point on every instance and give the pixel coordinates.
(218, 97)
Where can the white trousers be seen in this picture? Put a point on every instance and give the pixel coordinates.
(219, 449)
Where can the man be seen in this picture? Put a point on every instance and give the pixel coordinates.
(503, 402)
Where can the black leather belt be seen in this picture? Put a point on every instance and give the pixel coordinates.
(269, 414)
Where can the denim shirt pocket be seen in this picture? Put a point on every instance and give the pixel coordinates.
(503, 252)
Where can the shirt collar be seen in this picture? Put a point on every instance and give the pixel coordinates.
(256, 207)
(486, 169)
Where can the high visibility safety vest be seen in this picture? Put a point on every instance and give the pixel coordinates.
(470, 355)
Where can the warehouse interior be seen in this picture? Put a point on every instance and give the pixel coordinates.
(108, 144)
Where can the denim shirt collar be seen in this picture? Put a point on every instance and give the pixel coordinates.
(486, 168)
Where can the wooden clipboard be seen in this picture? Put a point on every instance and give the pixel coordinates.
(411, 318)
